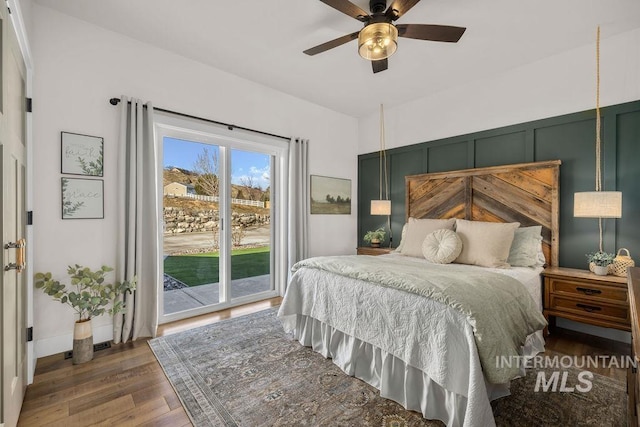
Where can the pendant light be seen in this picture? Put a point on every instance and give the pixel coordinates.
(598, 204)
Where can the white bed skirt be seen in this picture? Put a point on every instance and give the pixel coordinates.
(396, 380)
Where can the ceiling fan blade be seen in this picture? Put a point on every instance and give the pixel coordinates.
(399, 8)
(380, 65)
(348, 8)
(331, 44)
(436, 33)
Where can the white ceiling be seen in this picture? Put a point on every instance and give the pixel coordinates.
(263, 41)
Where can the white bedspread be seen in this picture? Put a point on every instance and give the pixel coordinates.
(422, 333)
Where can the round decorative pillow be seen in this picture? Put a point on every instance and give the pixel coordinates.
(441, 246)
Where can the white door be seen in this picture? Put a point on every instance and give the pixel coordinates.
(13, 351)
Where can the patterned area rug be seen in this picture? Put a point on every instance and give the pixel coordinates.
(247, 372)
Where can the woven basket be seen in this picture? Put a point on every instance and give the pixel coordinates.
(621, 263)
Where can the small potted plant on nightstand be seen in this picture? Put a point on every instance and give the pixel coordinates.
(599, 262)
(375, 237)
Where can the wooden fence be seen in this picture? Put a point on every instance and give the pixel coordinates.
(216, 199)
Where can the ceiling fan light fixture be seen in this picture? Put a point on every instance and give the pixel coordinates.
(378, 41)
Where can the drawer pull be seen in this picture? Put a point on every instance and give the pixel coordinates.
(589, 308)
(588, 291)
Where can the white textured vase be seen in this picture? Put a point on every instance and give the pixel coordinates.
(601, 270)
(82, 342)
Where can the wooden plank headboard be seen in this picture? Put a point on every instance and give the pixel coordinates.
(527, 193)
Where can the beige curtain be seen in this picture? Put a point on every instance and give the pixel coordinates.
(138, 221)
(298, 212)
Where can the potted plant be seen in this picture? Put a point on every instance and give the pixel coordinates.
(375, 237)
(89, 296)
(599, 262)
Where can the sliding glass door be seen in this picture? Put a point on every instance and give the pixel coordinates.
(191, 214)
(219, 236)
(250, 223)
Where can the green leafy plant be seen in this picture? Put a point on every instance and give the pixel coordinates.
(93, 168)
(69, 208)
(88, 295)
(601, 259)
(378, 234)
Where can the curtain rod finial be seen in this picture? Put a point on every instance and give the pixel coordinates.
(114, 101)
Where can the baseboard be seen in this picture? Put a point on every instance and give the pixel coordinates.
(31, 360)
(61, 343)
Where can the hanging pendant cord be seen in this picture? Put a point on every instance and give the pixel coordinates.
(381, 151)
(598, 140)
(383, 158)
(383, 171)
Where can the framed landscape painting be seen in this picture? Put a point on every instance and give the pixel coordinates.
(82, 154)
(330, 195)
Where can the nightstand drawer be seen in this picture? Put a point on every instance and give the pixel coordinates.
(591, 291)
(591, 308)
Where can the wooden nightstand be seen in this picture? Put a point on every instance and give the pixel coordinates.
(633, 375)
(367, 250)
(582, 296)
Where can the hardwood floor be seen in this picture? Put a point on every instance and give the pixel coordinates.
(122, 386)
(125, 386)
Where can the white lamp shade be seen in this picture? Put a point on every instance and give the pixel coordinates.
(381, 207)
(597, 204)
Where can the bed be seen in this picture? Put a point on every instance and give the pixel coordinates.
(403, 324)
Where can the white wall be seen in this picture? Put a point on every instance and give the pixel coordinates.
(557, 85)
(78, 67)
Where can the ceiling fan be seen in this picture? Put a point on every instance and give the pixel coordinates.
(378, 40)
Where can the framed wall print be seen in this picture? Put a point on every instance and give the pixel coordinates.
(330, 195)
(82, 154)
(82, 198)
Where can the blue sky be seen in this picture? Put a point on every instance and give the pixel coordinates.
(183, 154)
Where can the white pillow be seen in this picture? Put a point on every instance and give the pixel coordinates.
(402, 235)
(485, 243)
(417, 230)
(526, 247)
(442, 246)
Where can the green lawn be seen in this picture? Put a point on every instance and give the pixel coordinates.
(202, 269)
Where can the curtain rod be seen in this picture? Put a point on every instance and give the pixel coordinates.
(116, 101)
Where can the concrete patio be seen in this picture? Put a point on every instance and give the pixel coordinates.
(197, 296)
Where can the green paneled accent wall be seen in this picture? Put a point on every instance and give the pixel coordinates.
(369, 173)
(500, 150)
(446, 157)
(570, 138)
(628, 181)
(402, 163)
